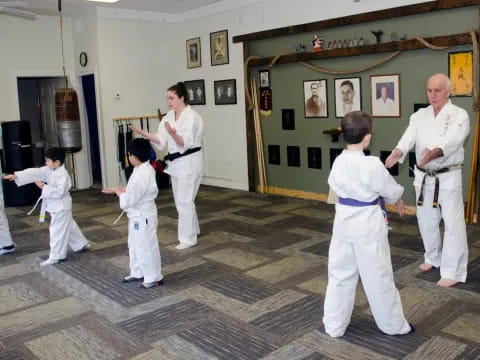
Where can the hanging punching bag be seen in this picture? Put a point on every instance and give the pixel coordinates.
(68, 120)
(66, 108)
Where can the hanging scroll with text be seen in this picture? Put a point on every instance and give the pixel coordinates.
(460, 71)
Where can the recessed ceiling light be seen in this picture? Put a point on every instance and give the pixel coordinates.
(104, 1)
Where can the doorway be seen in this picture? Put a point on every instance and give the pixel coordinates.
(88, 85)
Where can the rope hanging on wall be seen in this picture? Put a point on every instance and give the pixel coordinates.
(346, 72)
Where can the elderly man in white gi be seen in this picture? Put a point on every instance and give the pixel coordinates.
(6, 243)
(181, 132)
(438, 133)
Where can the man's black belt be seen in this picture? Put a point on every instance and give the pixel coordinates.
(434, 174)
(176, 155)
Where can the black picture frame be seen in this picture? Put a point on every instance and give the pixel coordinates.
(195, 92)
(219, 47)
(264, 78)
(288, 119)
(225, 92)
(274, 154)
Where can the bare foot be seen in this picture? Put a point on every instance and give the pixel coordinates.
(446, 282)
(425, 267)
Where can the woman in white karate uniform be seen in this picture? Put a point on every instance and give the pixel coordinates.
(181, 132)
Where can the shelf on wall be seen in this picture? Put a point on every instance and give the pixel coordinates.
(412, 44)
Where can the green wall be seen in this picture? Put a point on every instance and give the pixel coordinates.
(414, 67)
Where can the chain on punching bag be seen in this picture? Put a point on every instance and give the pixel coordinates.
(66, 109)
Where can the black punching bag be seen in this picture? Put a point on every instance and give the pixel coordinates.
(17, 150)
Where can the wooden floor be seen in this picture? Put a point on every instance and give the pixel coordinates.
(252, 289)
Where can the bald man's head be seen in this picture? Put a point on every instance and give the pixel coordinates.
(438, 91)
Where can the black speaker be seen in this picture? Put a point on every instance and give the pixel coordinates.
(17, 146)
(14, 195)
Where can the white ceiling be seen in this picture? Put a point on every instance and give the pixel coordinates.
(173, 7)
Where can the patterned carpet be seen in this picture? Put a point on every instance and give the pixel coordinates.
(252, 289)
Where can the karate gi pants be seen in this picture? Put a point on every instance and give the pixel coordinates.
(371, 260)
(143, 248)
(184, 192)
(5, 237)
(452, 255)
(64, 232)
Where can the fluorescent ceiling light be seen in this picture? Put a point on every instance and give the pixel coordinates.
(104, 1)
(15, 12)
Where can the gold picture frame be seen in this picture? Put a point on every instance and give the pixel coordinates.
(194, 53)
(460, 72)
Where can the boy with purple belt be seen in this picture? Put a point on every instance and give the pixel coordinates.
(359, 245)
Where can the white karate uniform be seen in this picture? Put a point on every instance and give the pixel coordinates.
(56, 199)
(359, 246)
(447, 131)
(186, 172)
(386, 107)
(139, 202)
(5, 237)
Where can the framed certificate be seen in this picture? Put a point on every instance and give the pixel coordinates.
(460, 72)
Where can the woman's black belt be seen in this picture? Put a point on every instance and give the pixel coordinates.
(173, 156)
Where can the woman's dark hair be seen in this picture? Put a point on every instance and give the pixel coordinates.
(140, 148)
(180, 89)
(355, 125)
(55, 153)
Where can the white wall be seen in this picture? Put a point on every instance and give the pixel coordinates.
(225, 125)
(133, 62)
(139, 60)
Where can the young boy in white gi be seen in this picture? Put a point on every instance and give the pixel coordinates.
(6, 243)
(55, 183)
(359, 245)
(138, 200)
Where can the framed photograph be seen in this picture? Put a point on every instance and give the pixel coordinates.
(385, 95)
(219, 47)
(315, 98)
(288, 119)
(194, 53)
(460, 72)
(348, 96)
(264, 78)
(195, 92)
(225, 92)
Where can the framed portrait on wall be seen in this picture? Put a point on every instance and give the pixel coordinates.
(264, 78)
(219, 47)
(195, 92)
(194, 53)
(315, 98)
(225, 92)
(460, 72)
(385, 95)
(348, 96)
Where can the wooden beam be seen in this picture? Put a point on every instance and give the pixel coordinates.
(249, 131)
(357, 19)
(412, 44)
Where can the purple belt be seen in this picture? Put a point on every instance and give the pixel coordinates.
(357, 203)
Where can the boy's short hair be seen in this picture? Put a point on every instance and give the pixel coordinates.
(140, 148)
(355, 125)
(55, 153)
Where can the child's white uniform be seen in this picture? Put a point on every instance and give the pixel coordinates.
(139, 202)
(56, 199)
(359, 246)
(5, 237)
